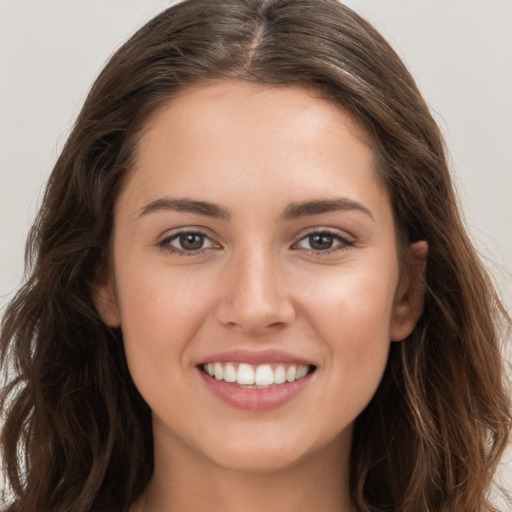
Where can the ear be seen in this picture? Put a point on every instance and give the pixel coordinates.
(410, 293)
(104, 298)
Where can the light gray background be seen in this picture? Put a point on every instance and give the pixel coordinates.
(460, 52)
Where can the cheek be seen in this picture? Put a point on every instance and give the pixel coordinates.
(155, 296)
(352, 315)
(161, 310)
(354, 303)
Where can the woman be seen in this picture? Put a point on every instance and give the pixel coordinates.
(251, 287)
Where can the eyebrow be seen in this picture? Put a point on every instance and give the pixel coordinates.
(292, 211)
(186, 205)
(316, 207)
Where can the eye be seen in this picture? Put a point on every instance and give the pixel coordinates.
(187, 243)
(324, 242)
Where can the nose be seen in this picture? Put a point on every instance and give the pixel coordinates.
(255, 299)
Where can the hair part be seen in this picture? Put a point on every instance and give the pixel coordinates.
(77, 433)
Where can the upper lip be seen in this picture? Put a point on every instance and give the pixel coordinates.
(255, 357)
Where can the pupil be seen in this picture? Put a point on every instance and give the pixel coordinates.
(191, 242)
(319, 242)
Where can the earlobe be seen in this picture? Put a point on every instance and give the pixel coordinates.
(409, 298)
(105, 300)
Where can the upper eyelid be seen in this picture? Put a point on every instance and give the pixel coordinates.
(167, 239)
(344, 240)
(302, 234)
(331, 231)
(170, 233)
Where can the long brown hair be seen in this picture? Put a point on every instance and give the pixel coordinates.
(77, 434)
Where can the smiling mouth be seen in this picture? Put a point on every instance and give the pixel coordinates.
(261, 376)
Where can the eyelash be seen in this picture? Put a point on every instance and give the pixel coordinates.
(164, 244)
(345, 243)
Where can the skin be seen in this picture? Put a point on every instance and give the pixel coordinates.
(257, 284)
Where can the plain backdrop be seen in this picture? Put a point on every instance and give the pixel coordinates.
(460, 52)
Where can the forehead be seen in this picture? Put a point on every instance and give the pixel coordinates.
(236, 139)
(238, 104)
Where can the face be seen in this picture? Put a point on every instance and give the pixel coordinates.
(254, 244)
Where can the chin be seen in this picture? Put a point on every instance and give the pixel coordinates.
(262, 454)
(259, 461)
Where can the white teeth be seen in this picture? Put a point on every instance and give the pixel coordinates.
(229, 373)
(264, 375)
(219, 371)
(301, 372)
(291, 373)
(260, 376)
(280, 375)
(245, 374)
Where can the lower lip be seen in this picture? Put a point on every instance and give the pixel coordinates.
(254, 399)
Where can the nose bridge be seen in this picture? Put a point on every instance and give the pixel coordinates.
(259, 278)
(255, 297)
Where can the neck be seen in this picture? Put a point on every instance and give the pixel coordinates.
(187, 482)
